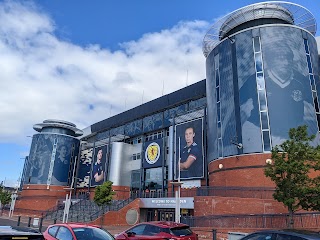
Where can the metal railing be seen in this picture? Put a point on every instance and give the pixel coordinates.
(113, 207)
(301, 220)
(241, 192)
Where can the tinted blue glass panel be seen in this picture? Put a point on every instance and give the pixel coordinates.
(228, 118)
(314, 94)
(306, 46)
(217, 78)
(45, 147)
(287, 81)
(248, 96)
(311, 79)
(218, 94)
(258, 58)
(260, 81)
(212, 151)
(256, 43)
(218, 111)
(153, 122)
(117, 131)
(103, 135)
(200, 103)
(170, 114)
(315, 65)
(220, 147)
(133, 128)
(309, 64)
(266, 141)
(262, 99)
(57, 130)
(264, 120)
(316, 104)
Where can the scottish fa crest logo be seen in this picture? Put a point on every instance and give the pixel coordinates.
(152, 153)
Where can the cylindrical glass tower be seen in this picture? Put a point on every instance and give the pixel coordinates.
(53, 154)
(262, 71)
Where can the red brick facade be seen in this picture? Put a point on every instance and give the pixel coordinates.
(241, 171)
(39, 198)
(118, 218)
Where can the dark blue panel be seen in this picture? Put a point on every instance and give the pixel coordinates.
(26, 170)
(40, 157)
(192, 92)
(316, 67)
(197, 104)
(228, 118)
(189, 150)
(99, 165)
(212, 151)
(288, 87)
(134, 128)
(153, 153)
(248, 96)
(173, 112)
(84, 169)
(66, 151)
(116, 131)
(152, 123)
(102, 135)
(62, 148)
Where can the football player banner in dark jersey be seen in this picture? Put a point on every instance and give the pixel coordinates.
(189, 150)
(98, 173)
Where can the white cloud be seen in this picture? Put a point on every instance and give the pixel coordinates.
(44, 77)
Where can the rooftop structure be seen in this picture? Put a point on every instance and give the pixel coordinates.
(258, 14)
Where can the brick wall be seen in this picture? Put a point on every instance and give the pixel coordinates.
(241, 171)
(119, 217)
(211, 205)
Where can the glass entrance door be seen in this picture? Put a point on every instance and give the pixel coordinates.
(166, 216)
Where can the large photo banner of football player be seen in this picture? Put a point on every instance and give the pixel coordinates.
(99, 165)
(189, 160)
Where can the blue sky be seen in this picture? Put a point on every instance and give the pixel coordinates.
(83, 61)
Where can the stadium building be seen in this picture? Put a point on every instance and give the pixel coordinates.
(210, 140)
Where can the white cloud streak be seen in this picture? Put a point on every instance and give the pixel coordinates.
(44, 77)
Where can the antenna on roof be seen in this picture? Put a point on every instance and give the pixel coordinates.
(162, 86)
(187, 77)
(142, 97)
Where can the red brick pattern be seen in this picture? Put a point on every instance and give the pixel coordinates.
(241, 171)
(118, 218)
(206, 206)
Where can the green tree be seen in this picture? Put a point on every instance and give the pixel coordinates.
(103, 194)
(292, 163)
(5, 196)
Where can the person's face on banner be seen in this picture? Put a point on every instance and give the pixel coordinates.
(189, 135)
(99, 155)
(63, 151)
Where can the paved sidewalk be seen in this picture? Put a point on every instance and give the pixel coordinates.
(24, 221)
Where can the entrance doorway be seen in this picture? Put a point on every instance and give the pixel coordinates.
(166, 215)
(160, 215)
